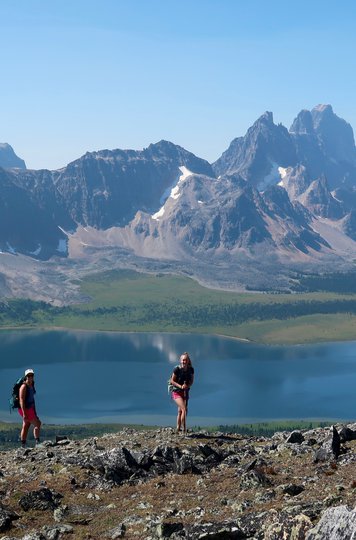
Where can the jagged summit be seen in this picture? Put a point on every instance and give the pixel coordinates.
(266, 117)
(264, 198)
(323, 108)
(8, 158)
(303, 123)
(256, 155)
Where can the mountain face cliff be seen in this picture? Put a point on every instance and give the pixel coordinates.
(8, 158)
(107, 188)
(274, 194)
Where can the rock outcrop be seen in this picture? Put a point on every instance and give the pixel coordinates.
(155, 484)
(8, 158)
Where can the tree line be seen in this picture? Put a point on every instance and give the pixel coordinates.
(25, 311)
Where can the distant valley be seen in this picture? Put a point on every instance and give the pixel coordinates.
(278, 204)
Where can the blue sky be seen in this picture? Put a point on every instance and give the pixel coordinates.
(84, 75)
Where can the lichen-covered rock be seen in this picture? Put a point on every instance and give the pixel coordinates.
(347, 434)
(167, 529)
(116, 532)
(6, 518)
(43, 499)
(338, 523)
(254, 478)
(295, 437)
(330, 449)
(284, 527)
(118, 465)
(293, 489)
(145, 486)
(54, 532)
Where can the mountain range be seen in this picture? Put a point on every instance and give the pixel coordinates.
(277, 201)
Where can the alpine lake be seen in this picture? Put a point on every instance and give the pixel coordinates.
(89, 377)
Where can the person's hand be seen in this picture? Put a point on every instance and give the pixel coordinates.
(185, 386)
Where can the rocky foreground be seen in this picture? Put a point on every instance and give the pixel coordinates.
(157, 484)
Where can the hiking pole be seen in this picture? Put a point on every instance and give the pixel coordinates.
(186, 404)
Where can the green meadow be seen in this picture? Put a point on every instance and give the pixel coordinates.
(128, 301)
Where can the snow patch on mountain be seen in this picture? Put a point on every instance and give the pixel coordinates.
(272, 177)
(37, 251)
(10, 249)
(62, 246)
(174, 192)
(282, 174)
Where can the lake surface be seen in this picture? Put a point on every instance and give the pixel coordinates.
(109, 377)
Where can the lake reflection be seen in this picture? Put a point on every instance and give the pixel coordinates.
(97, 377)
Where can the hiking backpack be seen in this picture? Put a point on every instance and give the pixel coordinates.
(171, 387)
(15, 400)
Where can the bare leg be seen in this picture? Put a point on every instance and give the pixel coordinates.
(24, 430)
(179, 420)
(182, 412)
(36, 428)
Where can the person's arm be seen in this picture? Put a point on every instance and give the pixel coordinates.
(22, 399)
(175, 383)
(187, 386)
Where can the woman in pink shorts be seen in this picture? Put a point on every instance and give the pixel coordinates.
(27, 409)
(182, 379)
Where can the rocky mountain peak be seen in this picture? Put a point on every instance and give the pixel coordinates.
(318, 199)
(334, 134)
(320, 112)
(257, 156)
(169, 151)
(303, 123)
(8, 158)
(265, 118)
(324, 144)
(264, 194)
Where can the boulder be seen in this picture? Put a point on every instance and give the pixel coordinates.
(54, 532)
(118, 465)
(225, 530)
(296, 437)
(337, 523)
(330, 449)
(347, 434)
(254, 478)
(166, 529)
(287, 527)
(116, 532)
(293, 489)
(6, 518)
(43, 499)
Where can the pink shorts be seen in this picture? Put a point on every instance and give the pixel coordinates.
(30, 413)
(181, 394)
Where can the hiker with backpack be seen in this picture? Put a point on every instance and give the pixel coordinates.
(27, 407)
(180, 383)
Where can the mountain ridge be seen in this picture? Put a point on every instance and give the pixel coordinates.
(260, 200)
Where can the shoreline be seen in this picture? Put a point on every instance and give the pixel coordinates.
(219, 335)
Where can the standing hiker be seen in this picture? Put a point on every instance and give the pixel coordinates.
(181, 381)
(27, 408)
